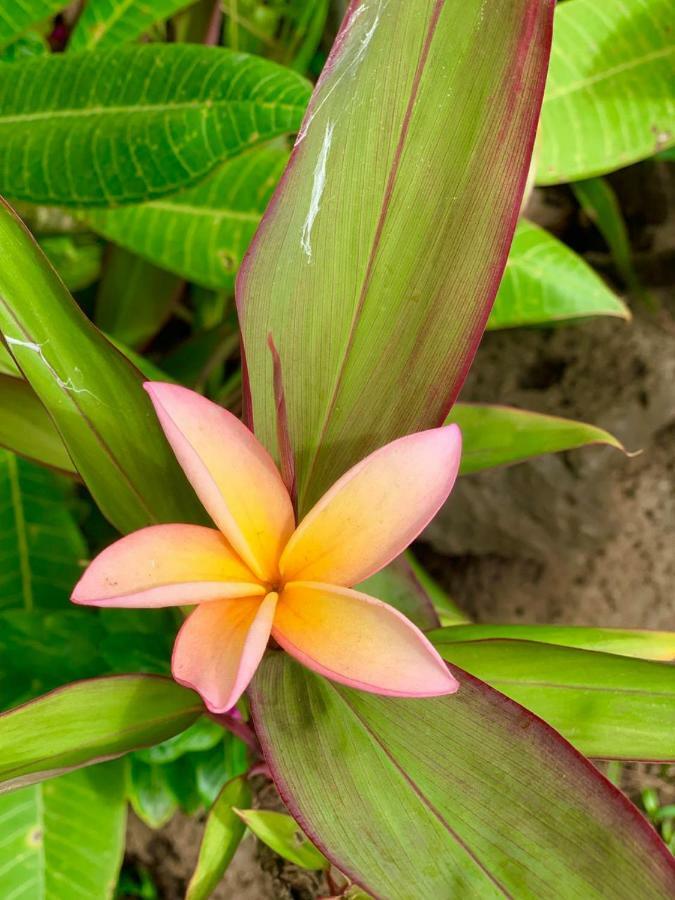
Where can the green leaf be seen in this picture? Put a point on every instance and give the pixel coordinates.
(40, 545)
(26, 427)
(150, 794)
(377, 313)
(400, 585)
(202, 735)
(134, 298)
(200, 233)
(282, 833)
(17, 17)
(90, 721)
(608, 99)
(470, 793)
(64, 838)
(106, 23)
(93, 394)
(77, 258)
(222, 834)
(656, 645)
(503, 435)
(608, 706)
(136, 122)
(546, 282)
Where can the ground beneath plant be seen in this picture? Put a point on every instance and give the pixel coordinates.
(586, 537)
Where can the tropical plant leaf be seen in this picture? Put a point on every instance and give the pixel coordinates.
(64, 838)
(150, 794)
(93, 394)
(131, 123)
(107, 23)
(26, 427)
(40, 544)
(200, 233)
(17, 17)
(77, 258)
(470, 792)
(503, 435)
(608, 99)
(545, 282)
(377, 316)
(656, 645)
(282, 833)
(90, 721)
(134, 298)
(400, 585)
(608, 706)
(222, 835)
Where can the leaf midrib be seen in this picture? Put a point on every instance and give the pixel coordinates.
(607, 74)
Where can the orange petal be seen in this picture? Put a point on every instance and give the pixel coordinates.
(219, 647)
(375, 510)
(231, 472)
(357, 640)
(166, 565)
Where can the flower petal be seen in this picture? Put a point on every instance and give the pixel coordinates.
(219, 647)
(232, 473)
(375, 510)
(359, 641)
(166, 565)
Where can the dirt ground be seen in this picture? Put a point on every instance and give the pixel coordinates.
(586, 537)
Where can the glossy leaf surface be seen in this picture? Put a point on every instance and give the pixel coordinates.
(90, 721)
(609, 96)
(64, 838)
(608, 706)
(17, 17)
(546, 282)
(502, 435)
(106, 23)
(200, 233)
(377, 313)
(280, 832)
(444, 788)
(656, 645)
(400, 585)
(92, 392)
(135, 122)
(26, 427)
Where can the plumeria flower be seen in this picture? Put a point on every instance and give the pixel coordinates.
(258, 575)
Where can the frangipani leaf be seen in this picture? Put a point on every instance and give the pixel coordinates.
(222, 835)
(377, 314)
(281, 832)
(64, 838)
(545, 282)
(656, 645)
(90, 721)
(93, 394)
(17, 17)
(26, 427)
(131, 123)
(503, 435)
(76, 258)
(609, 95)
(106, 23)
(471, 793)
(608, 706)
(200, 233)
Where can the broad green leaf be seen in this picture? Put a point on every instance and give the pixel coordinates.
(503, 435)
(150, 794)
(77, 258)
(608, 706)
(139, 640)
(90, 721)
(40, 545)
(376, 305)
(203, 735)
(400, 585)
(7, 364)
(283, 834)
(546, 282)
(106, 23)
(64, 838)
(135, 122)
(213, 768)
(465, 796)
(609, 95)
(656, 645)
(200, 233)
(26, 427)
(222, 834)
(16, 16)
(93, 394)
(134, 298)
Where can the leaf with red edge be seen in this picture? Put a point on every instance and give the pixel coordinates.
(462, 796)
(378, 259)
